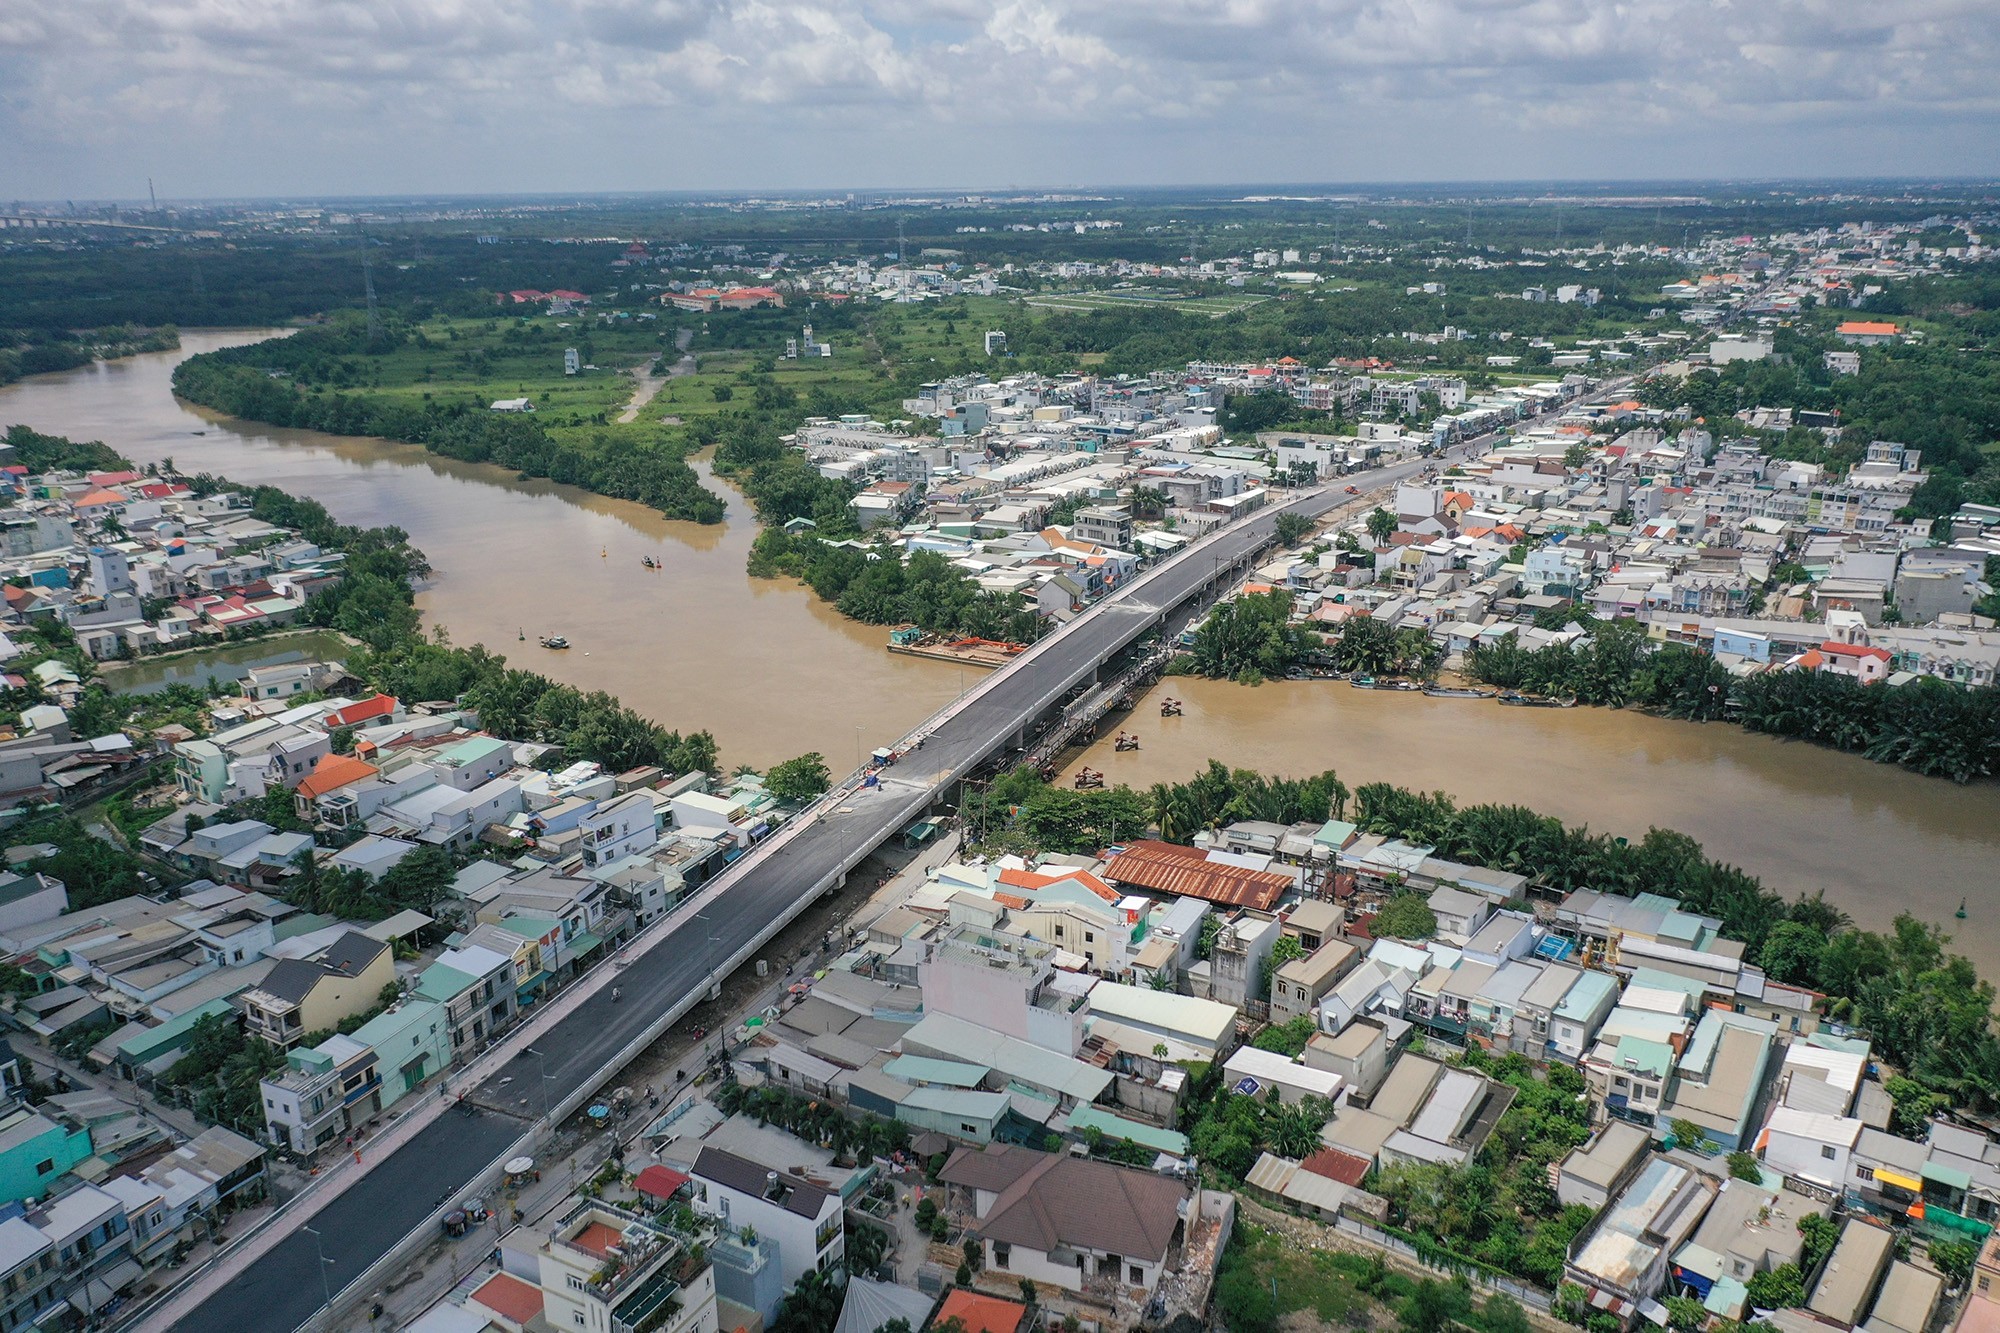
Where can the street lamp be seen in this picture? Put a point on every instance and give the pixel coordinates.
(319, 1248)
(543, 1059)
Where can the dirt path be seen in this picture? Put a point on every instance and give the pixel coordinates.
(647, 384)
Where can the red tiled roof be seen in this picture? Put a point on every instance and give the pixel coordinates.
(1869, 328)
(1168, 868)
(112, 478)
(510, 1297)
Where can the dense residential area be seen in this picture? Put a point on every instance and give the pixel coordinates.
(356, 973)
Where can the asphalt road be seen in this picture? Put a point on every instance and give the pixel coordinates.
(767, 886)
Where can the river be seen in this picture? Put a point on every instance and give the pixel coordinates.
(773, 673)
(696, 644)
(1878, 839)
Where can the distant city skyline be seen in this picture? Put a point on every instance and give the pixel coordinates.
(289, 97)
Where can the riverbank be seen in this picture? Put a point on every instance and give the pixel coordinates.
(772, 672)
(1877, 839)
(762, 664)
(437, 385)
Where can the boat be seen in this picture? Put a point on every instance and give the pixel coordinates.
(1520, 700)
(649, 562)
(1364, 683)
(554, 641)
(1456, 692)
(1400, 685)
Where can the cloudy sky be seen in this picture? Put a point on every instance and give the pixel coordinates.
(270, 97)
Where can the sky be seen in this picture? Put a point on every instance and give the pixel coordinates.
(263, 98)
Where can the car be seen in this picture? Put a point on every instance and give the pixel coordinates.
(1354, 490)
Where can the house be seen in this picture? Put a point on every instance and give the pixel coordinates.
(1908, 1299)
(801, 1217)
(1072, 1222)
(36, 1152)
(1459, 914)
(1847, 1283)
(26, 899)
(1810, 1147)
(1165, 867)
(1621, 1260)
(1300, 984)
(330, 773)
(1253, 1072)
(1748, 1230)
(311, 994)
(1592, 1174)
(476, 987)
(1239, 959)
(1360, 1053)
(1867, 332)
(1718, 1076)
(604, 1268)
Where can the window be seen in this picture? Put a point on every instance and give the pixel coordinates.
(1002, 1252)
(1826, 1151)
(1138, 1276)
(576, 1284)
(1864, 1172)
(46, 1165)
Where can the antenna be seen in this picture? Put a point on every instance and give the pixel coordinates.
(151, 196)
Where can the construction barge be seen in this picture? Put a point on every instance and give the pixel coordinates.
(988, 653)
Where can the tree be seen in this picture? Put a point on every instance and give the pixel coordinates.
(1791, 953)
(1819, 1233)
(813, 1306)
(1954, 1259)
(1744, 1166)
(1914, 1106)
(1292, 528)
(1406, 916)
(799, 779)
(1380, 524)
(1782, 1288)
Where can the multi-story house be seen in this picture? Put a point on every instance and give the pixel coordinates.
(801, 1218)
(302, 995)
(604, 1269)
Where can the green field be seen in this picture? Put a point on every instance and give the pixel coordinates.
(1214, 307)
(482, 360)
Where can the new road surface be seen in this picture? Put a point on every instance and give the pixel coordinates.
(580, 1047)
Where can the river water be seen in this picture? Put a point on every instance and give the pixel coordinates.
(696, 644)
(1877, 839)
(773, 673)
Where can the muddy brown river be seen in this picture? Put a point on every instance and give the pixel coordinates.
(773, 673)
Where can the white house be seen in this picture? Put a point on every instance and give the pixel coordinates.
(802, 1219)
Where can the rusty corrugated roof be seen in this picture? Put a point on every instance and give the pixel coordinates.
(1166, 867)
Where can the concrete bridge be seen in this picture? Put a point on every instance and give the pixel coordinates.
(369, 1218)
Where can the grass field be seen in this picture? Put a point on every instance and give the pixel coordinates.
(483, 360)
(1214, 307)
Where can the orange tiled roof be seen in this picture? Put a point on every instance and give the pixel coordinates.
(980, 1313)
(334, 771)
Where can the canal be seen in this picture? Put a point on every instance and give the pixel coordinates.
(773, 673)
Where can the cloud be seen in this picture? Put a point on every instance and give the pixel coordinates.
(950, 89)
